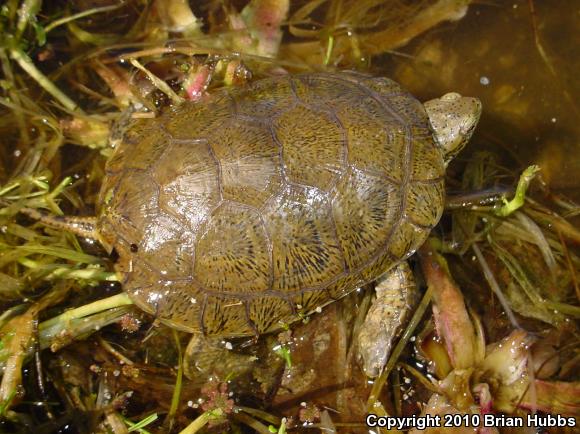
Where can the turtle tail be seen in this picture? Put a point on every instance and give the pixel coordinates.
(82, 226)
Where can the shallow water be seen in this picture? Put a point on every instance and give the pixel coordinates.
(524, 68)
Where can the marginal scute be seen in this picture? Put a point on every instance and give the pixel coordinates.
(195, 120)
(343, 286)
(264, 99)
(226, 316)
(156, 142)
(375, 269)
(133, 203)
(421, 197)
(270, 313)
(240, 213)
(410, 110)
(309, 301)
(365, 208)
(382, 86)
(118, 160)
(178, 303)
(406, 239)
(325, 92)
(427, 162)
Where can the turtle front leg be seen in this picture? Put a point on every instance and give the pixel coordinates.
(396, 295)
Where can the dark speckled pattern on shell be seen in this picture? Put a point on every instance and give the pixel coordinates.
(265, 202)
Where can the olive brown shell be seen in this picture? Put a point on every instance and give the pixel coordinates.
(237, 214)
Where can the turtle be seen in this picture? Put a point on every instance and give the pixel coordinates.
(241, 213)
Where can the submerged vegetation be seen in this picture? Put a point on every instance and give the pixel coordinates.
(496, 329)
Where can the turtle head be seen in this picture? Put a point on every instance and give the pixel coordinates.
(453, 118)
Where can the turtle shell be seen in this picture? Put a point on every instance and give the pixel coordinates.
(238, 214)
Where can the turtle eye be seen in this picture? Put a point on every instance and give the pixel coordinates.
(134, 248)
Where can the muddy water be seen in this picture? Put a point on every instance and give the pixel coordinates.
(521, 58)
